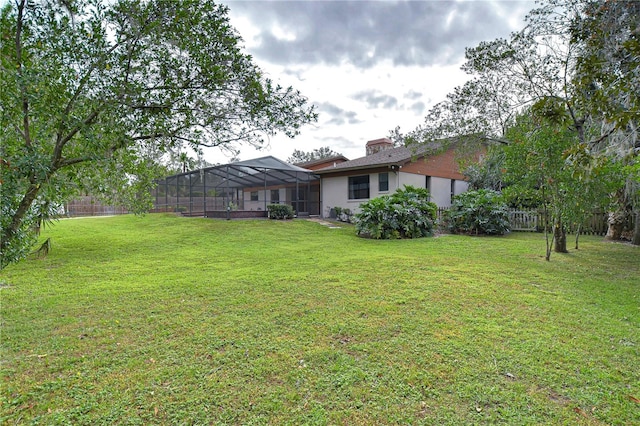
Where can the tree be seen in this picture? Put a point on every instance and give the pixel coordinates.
(317, 154)
(538, 160)
(607, 67)
(487, 173)
(543, 65)
(93, 92)
(182, 162)
(607, 75)
(509, 75)
(529, 71)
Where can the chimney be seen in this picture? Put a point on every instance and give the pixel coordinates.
(378, 145)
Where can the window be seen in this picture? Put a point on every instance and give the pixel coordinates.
(427, 183)
(383, 182)
(275, 196)
(358, 187)
(254, 195)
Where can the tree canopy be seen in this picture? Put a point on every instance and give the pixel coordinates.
(94, 92)
(299, 156)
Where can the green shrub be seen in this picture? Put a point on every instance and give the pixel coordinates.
(478, 212)
(407, 213)
(280, 211)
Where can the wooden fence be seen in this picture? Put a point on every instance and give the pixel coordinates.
(522, 220)
(533, 221)
(90, 206)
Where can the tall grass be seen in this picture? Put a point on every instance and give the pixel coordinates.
(168, 320)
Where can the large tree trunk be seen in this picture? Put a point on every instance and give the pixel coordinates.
(16, 222)
(617, 217)
(616, 221)
(560, 237)
(636, 230)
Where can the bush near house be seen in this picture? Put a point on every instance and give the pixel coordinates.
(342, 214)
(407, 213)
(478, 212)
(280, 211)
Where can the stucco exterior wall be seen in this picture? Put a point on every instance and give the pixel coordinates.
(412, 179)
(254, 205)
(440, 190)
(461, 186)
(262, 195)
(335, 190)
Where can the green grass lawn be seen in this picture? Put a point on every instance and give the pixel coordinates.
(169, 320)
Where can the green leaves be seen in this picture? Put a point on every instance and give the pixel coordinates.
(607, 67)
(280, 211)
(407, 213)
(299, 156)
(476, 212)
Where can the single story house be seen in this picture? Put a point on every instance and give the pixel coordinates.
(386, 168)
(245, 188)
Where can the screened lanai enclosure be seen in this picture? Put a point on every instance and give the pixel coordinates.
(239, 190)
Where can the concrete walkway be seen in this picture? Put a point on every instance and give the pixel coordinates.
(330, 225)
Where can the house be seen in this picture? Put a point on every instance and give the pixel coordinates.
(246, 188)
(386, 168)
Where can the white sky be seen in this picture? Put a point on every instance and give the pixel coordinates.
(367, 66)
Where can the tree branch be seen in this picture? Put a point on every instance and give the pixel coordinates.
(76, 94)
(57, 152)
(23, 89)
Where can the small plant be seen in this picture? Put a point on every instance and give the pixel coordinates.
(407, 213)
(346, 216)
(280, 211)
(340, 214)
(478, 212)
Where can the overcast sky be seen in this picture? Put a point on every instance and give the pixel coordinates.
(368, 66)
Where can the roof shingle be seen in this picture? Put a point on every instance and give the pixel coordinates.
(388, 157)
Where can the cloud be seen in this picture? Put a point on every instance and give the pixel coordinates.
(337, 115)
(412, 95)
(375, 99)
(346, 146)
(418, 108)
(296, 73)
(366, 33)
(368, 66)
